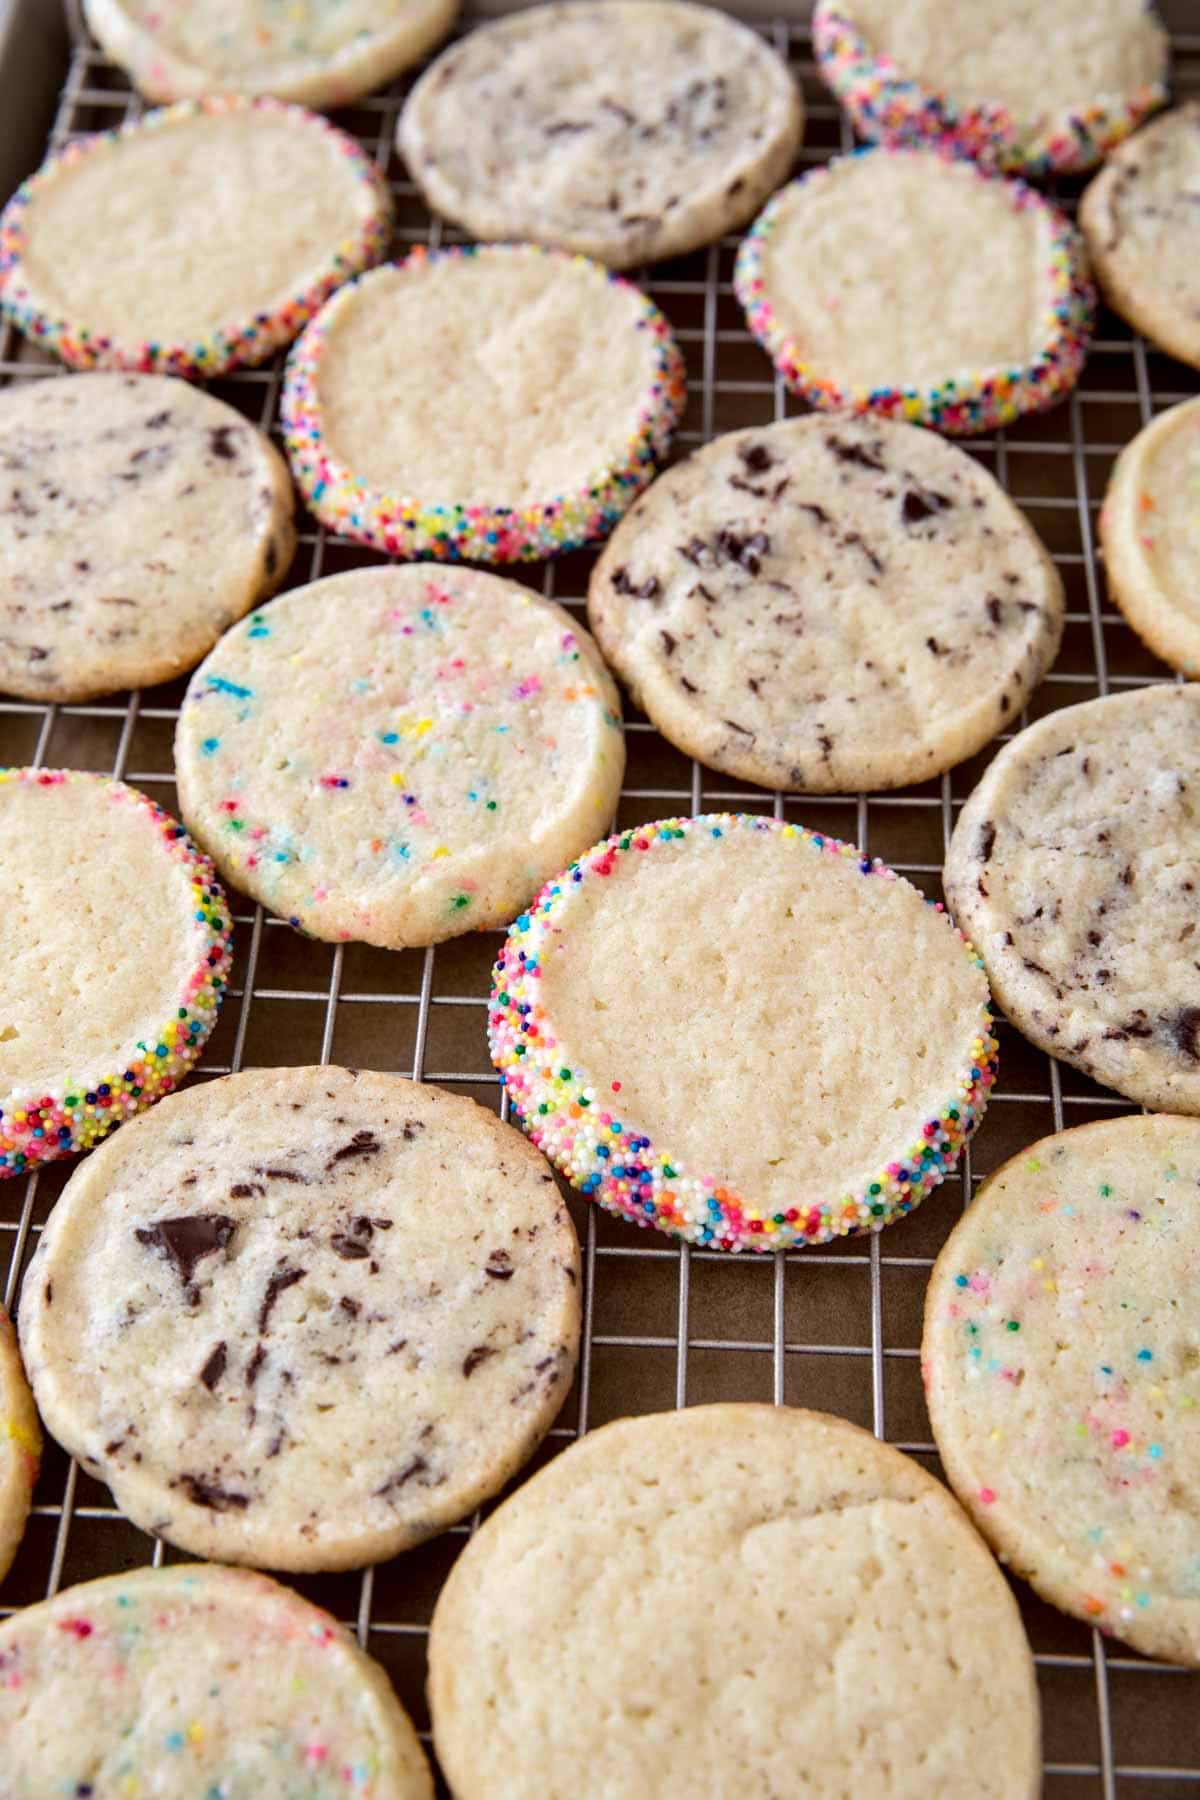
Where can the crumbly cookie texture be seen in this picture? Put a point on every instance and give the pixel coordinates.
(763, 1570)
(836, 273)
(631, 130)
(119, 954)
(1007, 84)
(1139, 217)
(20, 1446)
(745, 1034)
(1150, 530)
(359, 1298)
(139, 517)
(399, 755)
(193, 240)
(892, 609)
(319, 52)
(1075, 867)
(194, 1679)
(546, 390)
(1061, 1372)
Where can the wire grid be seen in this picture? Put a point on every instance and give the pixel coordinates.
(836, 1328)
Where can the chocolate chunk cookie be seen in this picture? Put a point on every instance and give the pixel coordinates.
(828, 604)
(308, 1319)
(1075, 870)
(139, 517)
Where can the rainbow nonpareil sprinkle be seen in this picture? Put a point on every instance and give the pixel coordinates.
(230, 342)
(582, 1126)
(419, 525)
(973, 400)
(40, 1124)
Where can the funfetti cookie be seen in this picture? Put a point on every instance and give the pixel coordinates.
(745, 1582)
(359, 1298)
(187, 242)
(1150, 530)
(20, 1445)
(139, 518)
(1062, 1374)
(911, 283)
(545, 392)
(1014, 86)
(320, 52)
(745, 1034)
(116, 956)
(628, 129)
(399, 755)
(1075, 867)
(890, 607)
(1139, 217)
(197, 1680)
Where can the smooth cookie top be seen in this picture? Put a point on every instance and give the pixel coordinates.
(138, 518)
(20, 1445)
(1150, 529)
(197, 238)
(763, 1571)
(627, 129)
(359, 1298)
(398, 755)
(891, 608)
(1062, 1370)
(743, 1033)
(1075, 869)
(197, 1680)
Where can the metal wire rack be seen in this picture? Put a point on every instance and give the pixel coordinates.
(836, 1328)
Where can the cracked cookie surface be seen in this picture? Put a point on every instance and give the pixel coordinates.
(308, 1319)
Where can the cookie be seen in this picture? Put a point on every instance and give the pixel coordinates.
(118, 952)
(1140, 220)
(545, 391)
(20, 1445)
(190, 241)
(762, 1572)
(837, 275)
(398, 755)
(319, 52)
(359, 1298)
(1150, 530)
(139, 518)
(193, 1680)
(891, 608)
(1075, 867)
(1014, 87)
(1060, 1360)
(630, 130)
(742, 1033)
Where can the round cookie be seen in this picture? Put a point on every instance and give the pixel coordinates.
(117, 955)
(399, 755)
(196, 1680)
(765, 1572)
(139, 518)
(545, 391)
(190, 241)
(1150, 530)
(1075, 867)
(836, 278)
(1140, 220)
(1012, 86)
(809, 543)
(319, 52)
(630, 130)
(20, 1446)
(358, 1297)
(1060, 1361)
(742, 1033)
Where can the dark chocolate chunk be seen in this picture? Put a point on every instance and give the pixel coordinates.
(473, 1358)
(255, 1364)
(922, 503)
(818, 512)
(350, 1249)
(987, 840)
(363, 1143)
(417, 1466)
(278, 1282)
(499, 1266)
(214, 1368)
(1185, 1032)
(995, 610)
(756, 457)
(202, 1492)
(649, 589)
(669, 642)
(187, 1240)
(245, 1189)
(856, 454)
(221, 444)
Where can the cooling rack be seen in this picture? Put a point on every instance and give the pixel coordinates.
(836, 1328)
